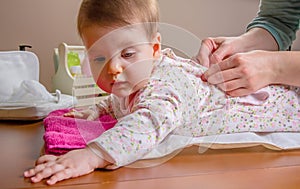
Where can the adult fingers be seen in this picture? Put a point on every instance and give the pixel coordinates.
(239, 92)
(206, 49)
(222, 52)
(221, 76)
(203, 56)
(225, 70)
(231, 85)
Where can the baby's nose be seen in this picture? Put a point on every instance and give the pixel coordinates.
(115, 67)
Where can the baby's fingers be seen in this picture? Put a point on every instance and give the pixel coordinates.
(29, 173)
(46, 172)
(93, 116)
(40, 165)
(46, 159)
(69, 114)
(59, 176)
(75, 114)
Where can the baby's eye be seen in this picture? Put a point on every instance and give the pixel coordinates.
(128, 54)
(100, 59)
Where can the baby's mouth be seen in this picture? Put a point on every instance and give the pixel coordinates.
(118, 83)
(119, 80)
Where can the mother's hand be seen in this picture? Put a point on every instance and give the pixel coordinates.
(242, 73)
(214, 50)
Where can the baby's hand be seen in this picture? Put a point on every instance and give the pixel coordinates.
(88, 114)
(73, 164)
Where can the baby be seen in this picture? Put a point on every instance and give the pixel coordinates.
(154, 94)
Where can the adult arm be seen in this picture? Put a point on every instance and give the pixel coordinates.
(280, 18)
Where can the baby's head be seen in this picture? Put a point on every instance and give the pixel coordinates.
(118, 13)
(122, 40)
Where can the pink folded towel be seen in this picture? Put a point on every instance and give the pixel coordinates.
(63, 134)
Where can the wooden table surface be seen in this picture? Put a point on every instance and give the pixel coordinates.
(254, 167)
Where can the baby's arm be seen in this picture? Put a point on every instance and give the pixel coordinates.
(93, 112)
(73, 164)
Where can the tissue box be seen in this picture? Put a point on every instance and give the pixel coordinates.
(22, 97)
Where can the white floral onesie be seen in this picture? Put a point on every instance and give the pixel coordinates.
(177, 101)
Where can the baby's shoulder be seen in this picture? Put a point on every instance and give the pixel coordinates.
(170, 59)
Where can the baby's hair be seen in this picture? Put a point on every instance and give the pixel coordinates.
(106, 13)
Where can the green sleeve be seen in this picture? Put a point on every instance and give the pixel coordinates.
(280, 18)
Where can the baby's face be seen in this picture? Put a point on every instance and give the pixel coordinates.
(121, 58)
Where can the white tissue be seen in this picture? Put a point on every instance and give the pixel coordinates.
(31, 91)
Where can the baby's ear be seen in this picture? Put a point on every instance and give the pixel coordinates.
(156, 45)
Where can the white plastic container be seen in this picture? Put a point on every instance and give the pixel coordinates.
(74, 83)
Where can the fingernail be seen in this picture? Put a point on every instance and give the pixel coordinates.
(50, 182)
(203, 78)
(33, 179)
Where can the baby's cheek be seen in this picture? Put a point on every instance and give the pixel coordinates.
(97, 71)
(104, 85)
